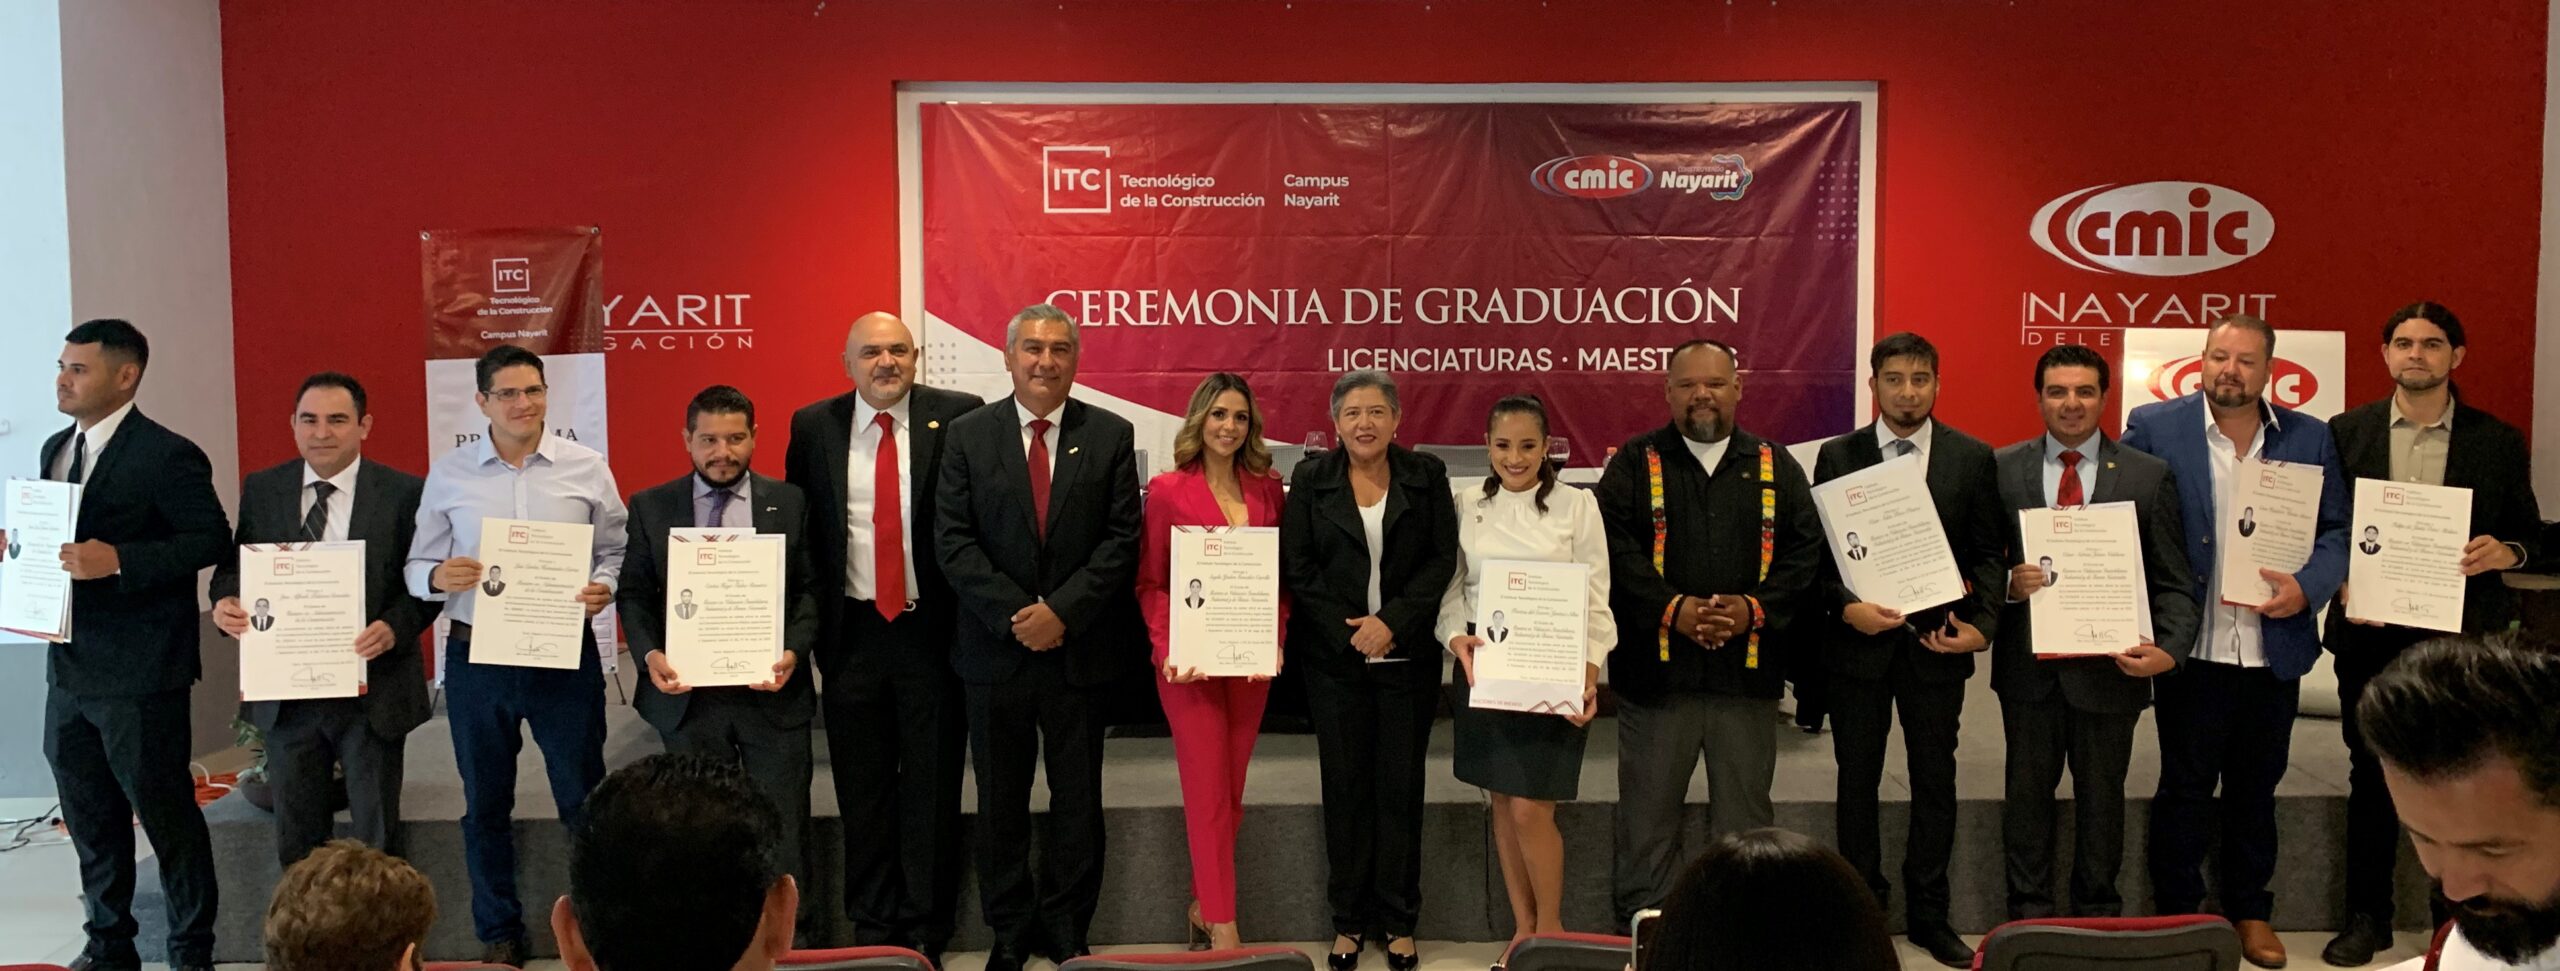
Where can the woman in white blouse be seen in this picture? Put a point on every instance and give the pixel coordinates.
(1526, 762)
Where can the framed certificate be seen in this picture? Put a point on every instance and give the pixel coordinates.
(2404, 558)
(527, 613)
(1532, 616)
(1224, 595)
(306, 609)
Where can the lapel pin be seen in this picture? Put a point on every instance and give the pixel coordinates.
(2111, 465)
(1071, 449)
(933, 424)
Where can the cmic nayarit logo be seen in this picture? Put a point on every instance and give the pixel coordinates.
(1724, 177)
(2153, 228)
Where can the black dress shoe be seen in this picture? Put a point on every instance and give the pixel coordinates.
(87, 963)
(509, 953)
(1943, 945)
(1005, 959)
(2355, 946)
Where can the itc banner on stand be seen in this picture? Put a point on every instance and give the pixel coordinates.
(1473, 250)
(539, 289)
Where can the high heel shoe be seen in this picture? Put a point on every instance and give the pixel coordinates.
(1337, 960)
(1400, 962)
(1197, 935)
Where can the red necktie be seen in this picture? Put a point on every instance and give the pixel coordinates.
(888, 532)
(1040, 476)
(2068, 494)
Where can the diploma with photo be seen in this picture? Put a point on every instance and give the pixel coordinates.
(35, 591)
(526, 612)
(724, 605)
(2094, 598)
(1534, 619)
(1886, 538)
(1224, 595)
(2269, 522)
(2404, 560)
(306, 609)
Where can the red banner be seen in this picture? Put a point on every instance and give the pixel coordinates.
(539, 289)
(1474, 250)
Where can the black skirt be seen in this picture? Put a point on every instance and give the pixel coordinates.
(1516, 753)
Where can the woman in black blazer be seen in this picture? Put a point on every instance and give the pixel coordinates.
(1363, 640)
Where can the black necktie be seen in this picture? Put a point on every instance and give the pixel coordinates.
(79, 457)
(315, 524)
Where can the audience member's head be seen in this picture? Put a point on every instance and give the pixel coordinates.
(1770, 900)
(2468, 731)
(349, 907)
(677, 867)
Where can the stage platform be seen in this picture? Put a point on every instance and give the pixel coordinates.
(1281, 859)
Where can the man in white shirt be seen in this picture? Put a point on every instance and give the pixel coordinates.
(2469, 746)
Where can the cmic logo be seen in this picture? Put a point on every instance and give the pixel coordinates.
(1591, 176)
(1075, 179)
(2288, 384)
(2153, 228)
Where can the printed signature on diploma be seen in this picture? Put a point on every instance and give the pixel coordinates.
(2094, 635)
(1232, 654)
(312, 676)
(731, 665)
(1917, 590)
(528, 647)
(2413, 608)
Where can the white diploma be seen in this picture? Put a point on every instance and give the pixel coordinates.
(527, 613)
(724, 605)
(35, 591)
(1533, 618)
(1224, 595)
(1886, 538)
(2095, 598)
(306, 609)
(2271, 519)
(2404, 559)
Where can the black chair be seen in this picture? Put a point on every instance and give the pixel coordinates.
(1569, 952)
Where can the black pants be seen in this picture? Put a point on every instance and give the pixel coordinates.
(1032, 717)
(897, 735)
(311, 736)
(1862, 717)
(1373, 723)
(115, 758)
(2042, 737)
(2373, 823)
(2232, 726)
(733, 725)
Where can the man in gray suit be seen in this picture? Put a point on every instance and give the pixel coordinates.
(2079, 710)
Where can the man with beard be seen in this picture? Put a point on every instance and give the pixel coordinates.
(764, 727)
(1713, 548)
(1881, 661)
(2470, 748)
(2421, 433)
(2226, 717)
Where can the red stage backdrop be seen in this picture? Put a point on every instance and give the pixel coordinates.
(743, 155)
(1474, 250)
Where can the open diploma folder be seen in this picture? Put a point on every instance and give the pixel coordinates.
(1533, 617)
(35, 591)
(306, 609)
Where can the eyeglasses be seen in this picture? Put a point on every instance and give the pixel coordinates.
(513, 395)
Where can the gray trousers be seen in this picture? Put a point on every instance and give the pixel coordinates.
(1659, 744)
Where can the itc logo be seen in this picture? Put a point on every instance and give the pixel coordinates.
(1075, 179)
(511, 275)
(2153, 228)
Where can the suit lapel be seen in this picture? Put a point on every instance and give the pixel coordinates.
(839, 447)
(2365, 449)
(924, 429)
(2022, 478)
(364, 509)
(2457, 448)
(2107, 486)
(1864, 453)
(1017, 465)
(117, 446)
(766, 514)
(1067, 464)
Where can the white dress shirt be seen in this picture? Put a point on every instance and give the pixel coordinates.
(342, 503)
(2459, 955)
(1050, 437)
(862, 462)
(98, 435)
(1708, 453)
(2231, 633)
(1919, 439)
(1508, 526)
(561, 482)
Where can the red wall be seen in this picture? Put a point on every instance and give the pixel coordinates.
(748, 146)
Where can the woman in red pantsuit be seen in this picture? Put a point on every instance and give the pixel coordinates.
(1222, 477)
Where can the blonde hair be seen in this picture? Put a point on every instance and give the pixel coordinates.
(347, 906)
(1253, 457)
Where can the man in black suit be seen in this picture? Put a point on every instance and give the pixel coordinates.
(895, 731)
(2079, 710)
(2423, 434)
(116, 725)
(1038, 531)
(765, 726)
(1880, 660)
(331, 494)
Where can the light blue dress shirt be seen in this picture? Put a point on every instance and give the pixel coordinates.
(561, 482)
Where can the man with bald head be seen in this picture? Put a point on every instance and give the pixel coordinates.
(869, 461)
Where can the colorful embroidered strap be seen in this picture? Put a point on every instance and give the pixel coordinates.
(1661, 538)
(1768, 544)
